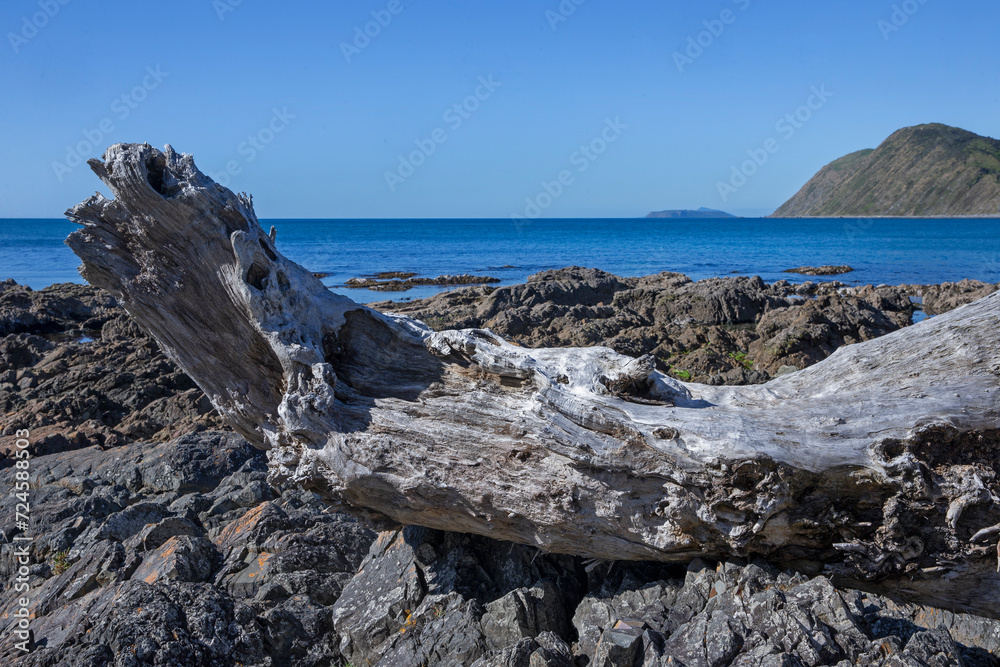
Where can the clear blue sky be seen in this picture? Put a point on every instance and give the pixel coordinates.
(221, 79)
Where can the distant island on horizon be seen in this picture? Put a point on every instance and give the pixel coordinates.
(689, 213)
(925, 171)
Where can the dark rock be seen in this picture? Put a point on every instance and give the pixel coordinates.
(183, 625)
(20, 351)
(182, 558)
(112, 539)
(933, 648)
(124, 524)
(379, 603)
(719, 331)
(937, 299)
(804, 335)
(526, 613)
(299, 633)
(518, 655)
(421, 597)
(619, 646)
(552, 651)
(384, 282)
(154, 535)
(85, 374)
(825, 270)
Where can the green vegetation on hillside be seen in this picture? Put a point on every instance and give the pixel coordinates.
(851, 160)
(927, 170)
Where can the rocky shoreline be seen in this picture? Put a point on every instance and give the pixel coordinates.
(77, 371)
(735, 330)
(401, 281)
(159, 539)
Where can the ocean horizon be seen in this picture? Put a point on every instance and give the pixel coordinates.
(881, 250)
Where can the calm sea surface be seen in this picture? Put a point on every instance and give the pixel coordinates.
(882, 251)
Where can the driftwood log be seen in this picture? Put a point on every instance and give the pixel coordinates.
(879, 464)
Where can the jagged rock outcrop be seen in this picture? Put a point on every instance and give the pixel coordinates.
(178, 553)
(77, 371)
(716, 331)
(175, 553)
(444, 599)
(937, 299)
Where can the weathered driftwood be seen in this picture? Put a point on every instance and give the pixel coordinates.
(879, 463)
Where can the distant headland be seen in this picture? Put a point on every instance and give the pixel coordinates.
(923, 171)
(687, 213)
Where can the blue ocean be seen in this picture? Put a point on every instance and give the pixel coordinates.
(890, 251)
